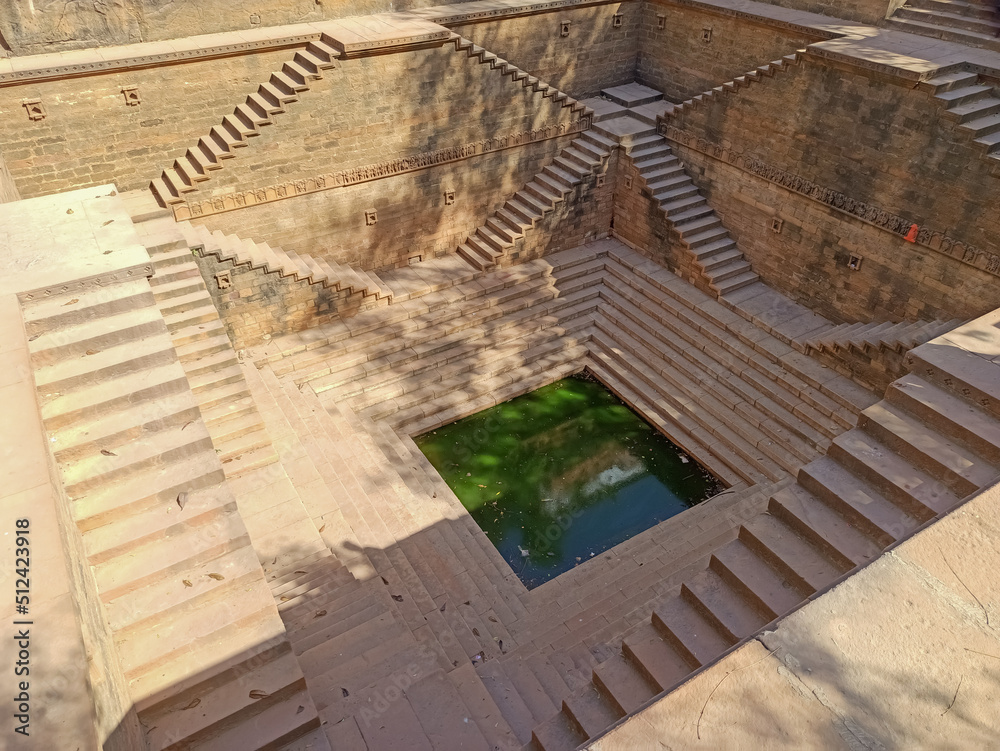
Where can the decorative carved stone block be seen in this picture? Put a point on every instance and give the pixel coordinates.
(616, 20)
(35, 108)
(628, 182)
(131, 94)
(854, 262)
(449, 197)
(661, 21)
(600, 180)
(706, 34)
(564, 29)
(777, 224)
(371, 217)
(255, 19)
(223, 280)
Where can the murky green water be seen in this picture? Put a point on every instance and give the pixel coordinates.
(559, 475)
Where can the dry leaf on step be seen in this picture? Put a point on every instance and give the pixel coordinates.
(182, 498)
(300, 710)
(108, 453)
(398, 598)
(319, 614)
(194, 703)
(217, 577)
(385, 581)
(258, 694)
(322, 528)
(345, 692)
(74, 300)
(187, 583)
(443, 606)
(285, 598)
(475, 632)
(492, 619)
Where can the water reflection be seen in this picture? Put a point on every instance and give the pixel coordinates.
(559, 475)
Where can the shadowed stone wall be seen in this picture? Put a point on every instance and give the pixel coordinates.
(679, 62)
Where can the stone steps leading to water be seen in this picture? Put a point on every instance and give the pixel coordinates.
(183, 593)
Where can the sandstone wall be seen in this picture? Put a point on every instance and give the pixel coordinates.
(374, 110)
(8, 188)
(594, 55)
(30, 27)
(259, 304)
(880, 150)
(679, 62)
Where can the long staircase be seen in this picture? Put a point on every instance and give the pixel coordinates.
(974, 103)
(200, 641)
(282, 88)
(302, 267)
(972, 22)
(204, 349)
(498, 238)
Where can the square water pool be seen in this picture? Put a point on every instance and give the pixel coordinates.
(559, 475)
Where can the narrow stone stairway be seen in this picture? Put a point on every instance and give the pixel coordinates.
(182, 591)
(498, 238)
(972, 22)
(933, 441)
(270, 99)
(204, 350)
(302, 267)
(974, 104)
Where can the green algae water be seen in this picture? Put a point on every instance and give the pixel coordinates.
(564, 473)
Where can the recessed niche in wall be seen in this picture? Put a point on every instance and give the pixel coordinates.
(559, 475)
(371, 217)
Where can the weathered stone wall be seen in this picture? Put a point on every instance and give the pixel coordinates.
(259, 304)
(878, 150)
(31, 27)
(592, 56)
(677, 61)
(375, 110)
(90, 136)
(864, 11)
(413, 217)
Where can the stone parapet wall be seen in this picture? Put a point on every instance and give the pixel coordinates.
(864, 11)
(698, 48)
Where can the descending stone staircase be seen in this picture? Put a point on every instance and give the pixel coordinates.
(975, 105)
(934, 440)
(519, 76)
(698, 227)
(270, 99)
(757, 75)
(204, 350)
(972, 22)
(871, 353)
(199, 638)
(491, 242)
(302, 267)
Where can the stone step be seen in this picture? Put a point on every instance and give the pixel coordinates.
(591, 710)
(723, 606)
(219, 701)
(110, 430)
(152, 489)
(822, 526)
(655, 656)
(764, 587)
(806, 567)
(106, 364)
(61, 410)
(909, 487)
(94, 335)
(689, 632)
(857, 501)
(50, 314)
(922, 446)
(948, 414)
